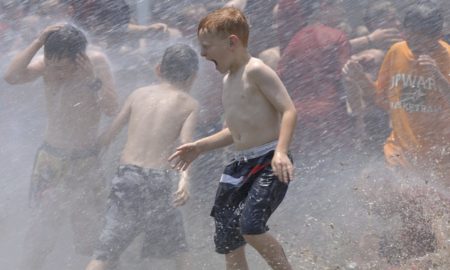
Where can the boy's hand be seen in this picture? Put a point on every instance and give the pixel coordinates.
(184, 156)
(161, 29)
(353, 71)
(282, 167)
(182, 193)
(158, 27)
(47, 31)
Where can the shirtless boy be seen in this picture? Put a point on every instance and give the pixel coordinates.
(158, 117)
(260, 119)
(65, 180)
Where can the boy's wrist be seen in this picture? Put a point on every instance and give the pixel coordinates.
(38, 43)
(284, 152)
(199, 146)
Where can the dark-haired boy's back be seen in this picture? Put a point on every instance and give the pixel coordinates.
(141, 201)
(156, 117)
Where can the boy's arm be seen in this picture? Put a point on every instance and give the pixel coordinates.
(355, 76)
(379, 38)
(218, 140)
(20, 70)
(273, 89)
(118, 123)
(186, 136)
(141, 31)
(187, 131)
(107, 96)
(187, 153)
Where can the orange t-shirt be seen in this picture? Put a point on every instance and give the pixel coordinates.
(419, 110)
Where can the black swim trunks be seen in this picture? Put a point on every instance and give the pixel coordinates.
(247, 195)
(141, 201)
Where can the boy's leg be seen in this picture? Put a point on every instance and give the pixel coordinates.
(42, 234)
(122, 221)
(88, 207)
(265, 195)
(47, 199)
(270, 249)
(165, 237)
(235, 259)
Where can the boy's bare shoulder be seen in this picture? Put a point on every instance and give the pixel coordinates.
(188, 100)
(256, 69)
(159, 92)
(256, 65)
(97, 57)
(142, 91)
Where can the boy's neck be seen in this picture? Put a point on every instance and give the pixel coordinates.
(182, 87)
(241, 58)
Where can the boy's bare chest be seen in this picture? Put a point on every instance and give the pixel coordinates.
(69, 96)
(238, 93)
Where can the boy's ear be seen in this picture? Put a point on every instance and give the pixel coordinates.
(233, 41)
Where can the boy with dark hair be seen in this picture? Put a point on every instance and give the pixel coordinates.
(260, 118)
(67, 42)
(65, 180)
(413, 84)
(158, 116)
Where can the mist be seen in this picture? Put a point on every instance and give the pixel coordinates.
(346, 208)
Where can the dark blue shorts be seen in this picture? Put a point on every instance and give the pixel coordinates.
(247, 195)
(141, 202)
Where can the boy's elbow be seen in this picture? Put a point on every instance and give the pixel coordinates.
(293, 111)
(294, 115)
(10, 79)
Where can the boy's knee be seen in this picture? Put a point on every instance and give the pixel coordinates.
(249, 238)
(251, 228)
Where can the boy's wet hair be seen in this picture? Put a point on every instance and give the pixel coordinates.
(425, 18)
(179, 63)
(67, 42)
(226, 21)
